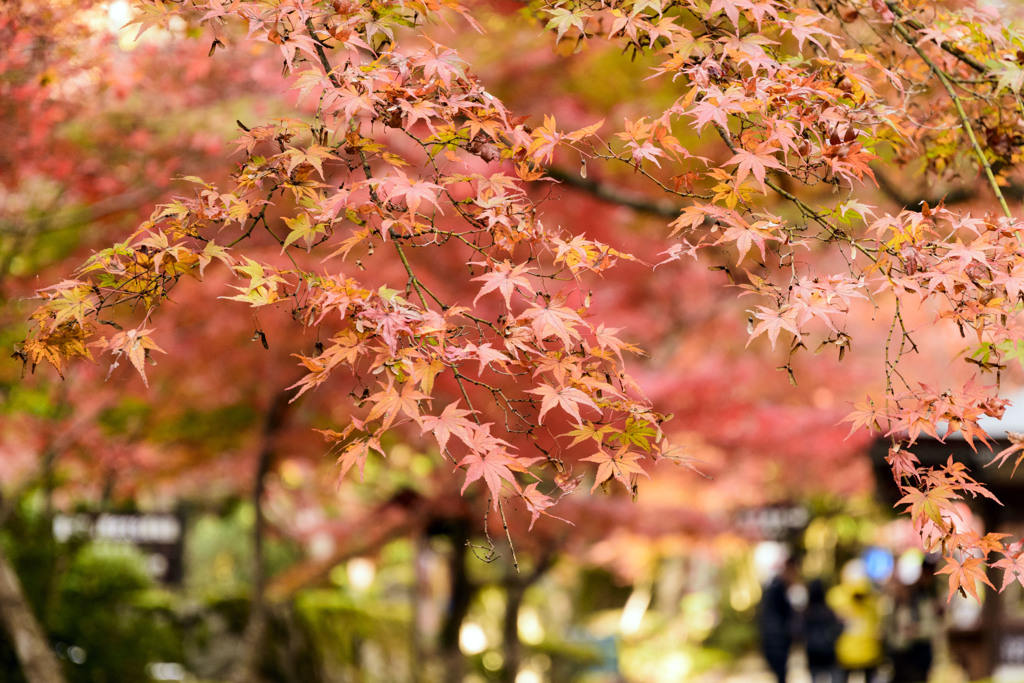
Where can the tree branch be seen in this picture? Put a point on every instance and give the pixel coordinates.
(614, 195)
(949, 47)
(964, 120)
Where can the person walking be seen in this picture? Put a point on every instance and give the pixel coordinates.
(912, 627)
(777, 619)
(859, 647)
(822, 629)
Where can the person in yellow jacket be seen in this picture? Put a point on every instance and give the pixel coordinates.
(859, 648)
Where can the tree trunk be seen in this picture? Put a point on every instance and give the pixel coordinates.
(514, 594)
(516, 586)
(38, 662)
(460, 597)
(246, 669)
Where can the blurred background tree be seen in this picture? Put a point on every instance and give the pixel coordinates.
(293, 575)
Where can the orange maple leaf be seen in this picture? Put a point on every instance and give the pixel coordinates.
(452, 420)
(389, 403)
(566, 398)
(621, 466)
(1013, 569)
(492, 466)
(963, 576)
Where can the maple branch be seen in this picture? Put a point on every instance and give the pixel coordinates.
(955, 195)
(500, 396)
(949, 47)
(462, 387)
(614, 195)
(415, 281)
(891, 368)
(326, 63)
(261, 216)
(807, 210)
(511, 546)
(964, 120)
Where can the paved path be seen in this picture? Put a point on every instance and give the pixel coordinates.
(752, 669)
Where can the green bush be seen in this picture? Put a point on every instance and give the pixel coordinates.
(109, 622)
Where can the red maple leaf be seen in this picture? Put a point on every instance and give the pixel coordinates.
(931, 503)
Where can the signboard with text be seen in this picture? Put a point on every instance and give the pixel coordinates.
(160, 536)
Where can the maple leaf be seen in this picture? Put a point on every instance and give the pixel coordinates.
(1011, 75)
(746, 236)
(538, 503)
(564, 19)
(903, 464)
(452, 420)
(211, 251)
(391, 323)
(546, 139)
(442, 63)
(356, 453)
(553, 319)
(424, 373)
(485, 354)
(646, 150)
(313, 155)
(1016, 446)
(963, 576)
(866, 414)
(931, 503)
(415, 192)
(57, 346)
(587, 431)
(301, 228)
(136, 344)
(990, 542)
(389, 403)
(344, 348)
(566, 398)
(803, 28)
(147, 16)
(71, 300)
(731, 8)
(505, 278)
(773, 321)
(606, 339)
(755, 162)
(620, 465)
(493, 466)
(262, 287)
(1013, 569)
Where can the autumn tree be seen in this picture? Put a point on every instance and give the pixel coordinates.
(401, 228)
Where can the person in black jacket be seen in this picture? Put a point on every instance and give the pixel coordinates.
(777, 619)
(821, 629)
